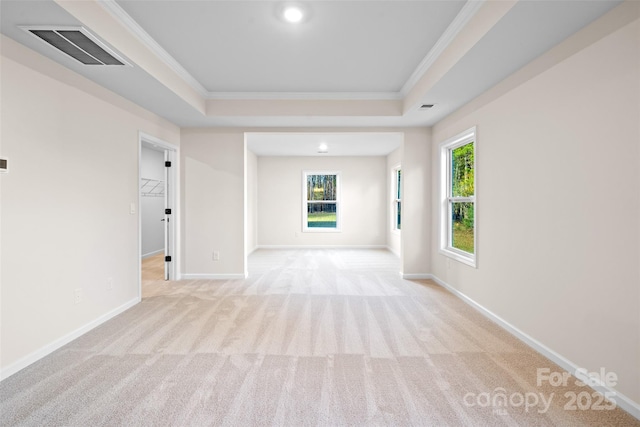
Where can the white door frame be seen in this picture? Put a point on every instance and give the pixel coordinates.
(172, 201)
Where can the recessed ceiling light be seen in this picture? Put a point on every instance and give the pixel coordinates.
(292, 14)
(323, 148)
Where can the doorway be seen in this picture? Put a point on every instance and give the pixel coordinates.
(157, 195)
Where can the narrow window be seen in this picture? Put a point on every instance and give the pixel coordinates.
(458, 216)
(321, 204)
(397, 202)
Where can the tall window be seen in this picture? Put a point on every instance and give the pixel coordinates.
(321, 206)
(397, 202)
(458, 217)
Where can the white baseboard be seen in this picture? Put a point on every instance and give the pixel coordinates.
(66, 339)
(213, 276)
(416, 276)
(150, 254)
(322, 247)
(621, 400)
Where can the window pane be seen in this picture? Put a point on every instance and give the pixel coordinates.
(398, 185)
(462, 231)
(462, 176)
(322, 215)
(398, 215)
(321, 187)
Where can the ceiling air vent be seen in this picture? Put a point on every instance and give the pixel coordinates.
(78, 43)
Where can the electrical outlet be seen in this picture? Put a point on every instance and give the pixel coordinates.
(109, 283)
(77, 297)
(216, 255)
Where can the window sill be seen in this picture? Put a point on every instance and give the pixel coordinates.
(460, 256)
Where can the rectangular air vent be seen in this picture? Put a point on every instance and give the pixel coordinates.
(77, 43)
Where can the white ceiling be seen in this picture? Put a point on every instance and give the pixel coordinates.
(351, 64)
(347, 46)
(337, 143)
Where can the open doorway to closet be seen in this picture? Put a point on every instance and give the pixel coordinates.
(157, 213)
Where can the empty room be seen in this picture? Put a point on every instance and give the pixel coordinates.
(327, 213)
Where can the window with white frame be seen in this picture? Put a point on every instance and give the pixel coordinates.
(321, 201)
(458, 197)
(397, 198)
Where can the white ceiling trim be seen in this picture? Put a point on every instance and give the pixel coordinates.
(466, 13)
(277, 96)
(129, 23)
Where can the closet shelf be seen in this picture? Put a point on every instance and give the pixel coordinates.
(151, 187)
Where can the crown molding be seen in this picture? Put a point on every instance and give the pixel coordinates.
(129, 23)
(464, 16)
(294, 96)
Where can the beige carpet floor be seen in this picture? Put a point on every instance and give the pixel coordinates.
(311, 338)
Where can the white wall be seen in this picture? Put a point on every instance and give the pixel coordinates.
(152, 207)
(252, 201)
(559, 199)
(363, 201)
(394, 237)
(213, 195)
(73, 148)
(416, 213)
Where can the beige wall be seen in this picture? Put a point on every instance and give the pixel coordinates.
(73, 152)
(363, 201)
(213, 196)
(252, 201)
(416, 215)
(558, 199)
